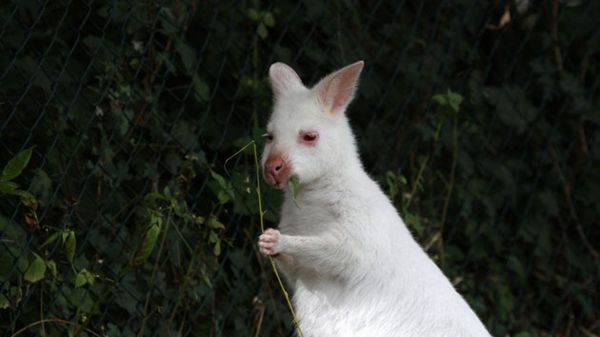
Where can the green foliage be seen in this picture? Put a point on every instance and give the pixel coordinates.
(294, 185)
(84, 277)
(15, 166)
(449, 100)
(223, 188)
(12, 170)
(149, 239)
(36, 270)
(127, 219)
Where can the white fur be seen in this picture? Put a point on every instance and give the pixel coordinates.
(354, 267)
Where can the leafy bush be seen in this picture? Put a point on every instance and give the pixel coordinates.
(129, 220)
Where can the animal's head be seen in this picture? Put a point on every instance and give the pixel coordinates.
(308, 134)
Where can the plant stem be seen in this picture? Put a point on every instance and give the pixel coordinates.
(262, 228)
(450, 188)
(154, 270)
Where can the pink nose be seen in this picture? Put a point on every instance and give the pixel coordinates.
(276, 170)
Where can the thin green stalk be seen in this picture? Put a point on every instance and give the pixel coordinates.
(262, 228)
(416, 182)
(182, 289)
(154, 270)
(260, 320)
(450, 188)
(422, 166)
(42, 312)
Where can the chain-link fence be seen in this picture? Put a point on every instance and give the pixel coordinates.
(128, 220)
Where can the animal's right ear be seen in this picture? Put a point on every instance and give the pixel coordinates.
(336, 91)
(283, 79)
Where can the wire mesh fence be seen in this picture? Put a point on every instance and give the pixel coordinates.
(120, 214)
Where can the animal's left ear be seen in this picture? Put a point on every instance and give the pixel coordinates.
(283, 79)
(336, 91)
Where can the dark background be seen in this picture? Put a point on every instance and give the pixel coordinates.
(140, 227)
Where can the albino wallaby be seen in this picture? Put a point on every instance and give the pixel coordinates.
(354, 267)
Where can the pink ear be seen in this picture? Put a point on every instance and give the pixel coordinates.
(283, 79)
(336, 91)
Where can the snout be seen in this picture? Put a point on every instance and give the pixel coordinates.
(277, 171)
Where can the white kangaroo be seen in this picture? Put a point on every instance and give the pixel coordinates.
(354, 268)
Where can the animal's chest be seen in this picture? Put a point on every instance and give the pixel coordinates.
(308, 217)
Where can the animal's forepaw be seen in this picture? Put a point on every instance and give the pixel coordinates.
(268, 242)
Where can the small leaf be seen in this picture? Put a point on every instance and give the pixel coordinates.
(217, 249)
(70, 245)
(149, 240)
(223, 197)
(392, 182)
(16, 165)
(4, 302)
(214, 223)
(201, 89)
(51, 239)
(79, 280)
(219, 178)
(440, 99)
(26, 198)
(225, 192)
(41, 185)
(262, 31)
(214, 238)
(150, 199)
(294, 185)
(187, 54)
(253, 14)
(7, 187)
(454, 100)
(269, 19)
(84, 277)
(113, 330)
(36, 270)
(449, 100)
(52, 267)
(198, 219)
(206, 279)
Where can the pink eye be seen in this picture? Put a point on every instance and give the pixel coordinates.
(309, 137)
(269, 137)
